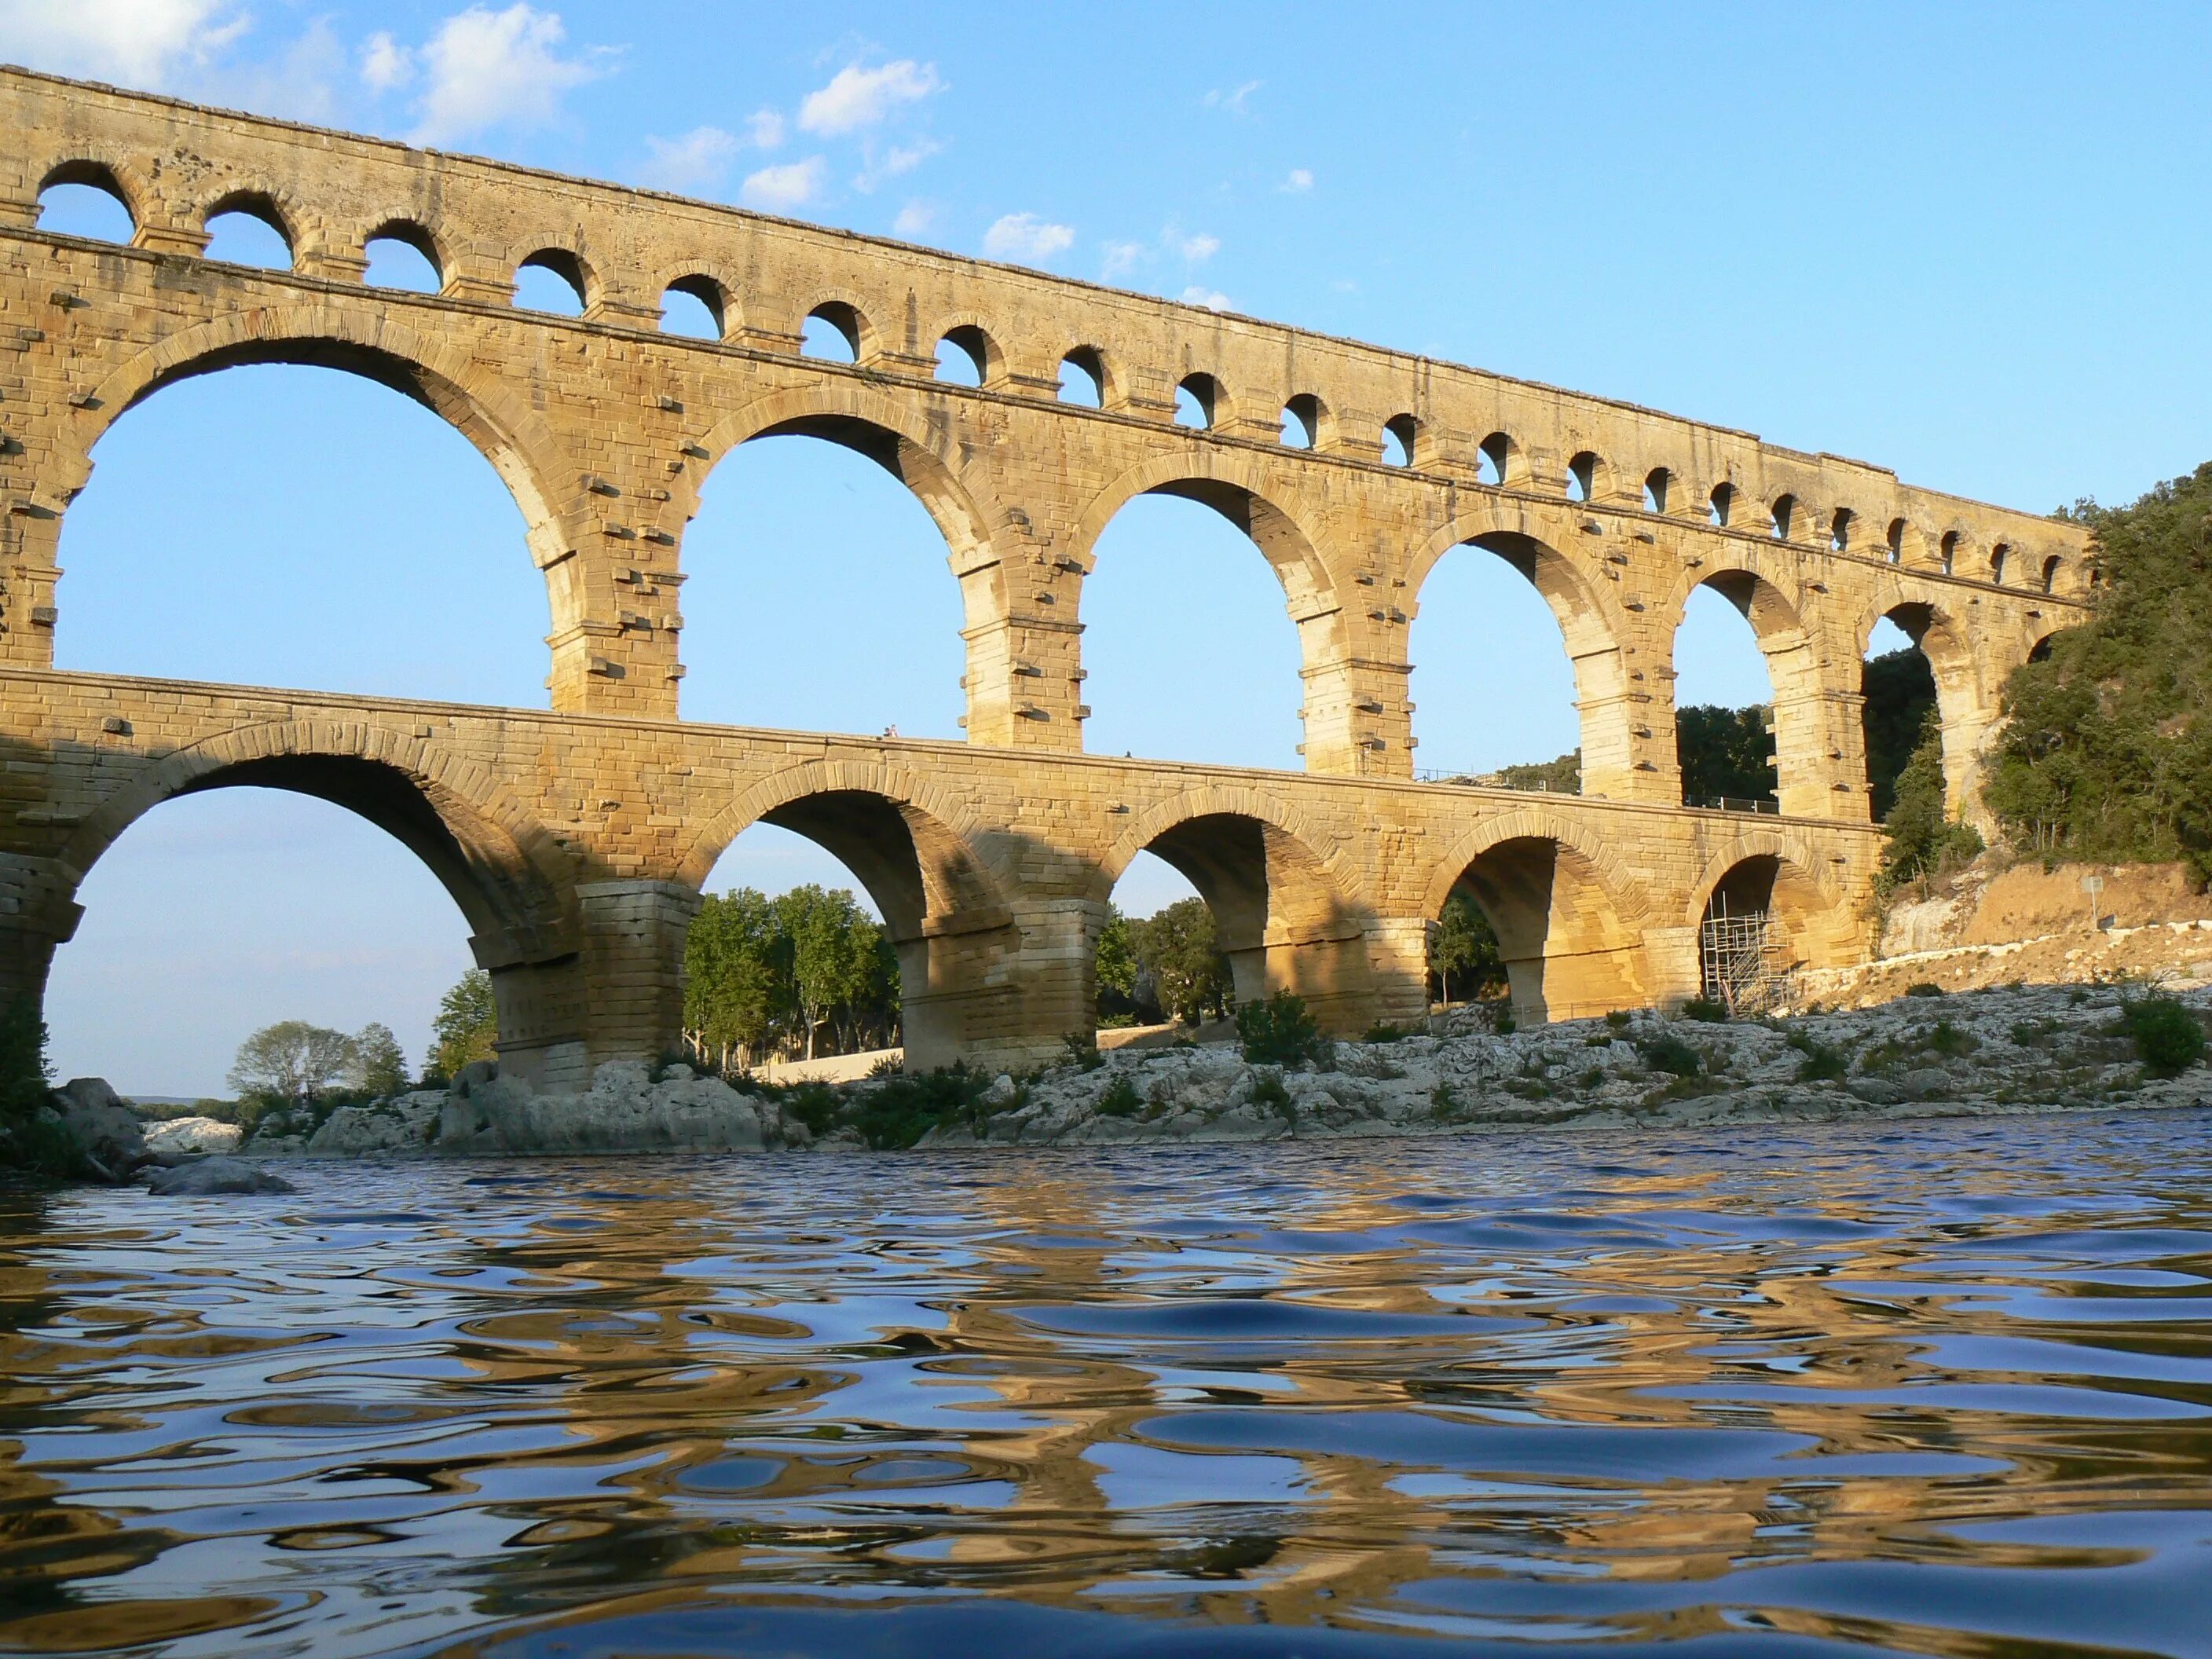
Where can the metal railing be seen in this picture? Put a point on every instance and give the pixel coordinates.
(1489, 780)
(1731, 804)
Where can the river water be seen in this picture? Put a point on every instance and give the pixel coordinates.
(1939, 1387)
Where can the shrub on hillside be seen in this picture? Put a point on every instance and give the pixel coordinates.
(2168, 1038)
(1280, 1032)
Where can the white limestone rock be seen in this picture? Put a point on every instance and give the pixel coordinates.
(191, 1137)
(624, 1111)
(381, 1129)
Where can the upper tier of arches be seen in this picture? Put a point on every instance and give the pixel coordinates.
(477, 225)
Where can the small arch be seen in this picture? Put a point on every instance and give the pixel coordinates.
(240, 227)
(1083, 378)
(1720, 506)
(1781, 515)
(1757, 896)
(86, 199)
(2040, 651)
(1893, 543)
(1582, 477)
(403, 254)
(2051, 566)
(1839, 530)
(1559, 929)
(1302, 419)
(1197, 398)
(1655, 489)
(562, 291)
(833, 331)
(1999, 556)
(697, 306)
(967, 357)
(1494, 460)
(1948, 552)
(1401, 436)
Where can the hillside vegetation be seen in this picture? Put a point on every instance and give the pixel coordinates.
(2106, 752)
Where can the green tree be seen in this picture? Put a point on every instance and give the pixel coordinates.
(291, 1061)
(1463, 952)
(1900, 690)
(1118, 956)
(2106, 752)
(1922, 839)
(467, 1025)
(1189, 975)
(25, 1074)
(737, 978)
(378, 1066)
(1563, 776)
(834, 957)
(1725, 752)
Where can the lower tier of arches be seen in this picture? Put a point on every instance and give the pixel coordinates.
(575, 847)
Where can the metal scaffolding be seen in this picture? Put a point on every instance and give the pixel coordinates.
(1740, 961)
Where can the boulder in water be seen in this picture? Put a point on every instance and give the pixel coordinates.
(212, 1177)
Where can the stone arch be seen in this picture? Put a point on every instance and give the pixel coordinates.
(511, 436)
(969, 329)
(508, 875)
(1250, 493)
(103, 167)
(564, 257)
(1282, 915)
(1566, 912)
(1795, 668)
(911, 846)
(418, 234)
(1954, 662)
(889, 432)
(1592, 625)
(1808, 910)
(849, 311)
(713, 284)
(272, 204)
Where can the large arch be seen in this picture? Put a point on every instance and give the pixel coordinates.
(1793, 671)
(1281, 915)
(1957, 673)
(509, 876)
(1780, 875)
(890, 432)
(910, 843)
(1591, 629)
(1566, 911)
(1249, 494)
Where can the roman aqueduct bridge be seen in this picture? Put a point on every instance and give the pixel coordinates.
(574, 838)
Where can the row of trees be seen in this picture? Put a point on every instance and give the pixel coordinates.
(1164, 966)
(805, 973)
(293, 1060)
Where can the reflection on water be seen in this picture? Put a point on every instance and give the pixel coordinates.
(1942, 1388)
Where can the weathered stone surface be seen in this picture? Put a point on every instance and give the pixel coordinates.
(625, 1110)
(210, 1177)
(405, 1123)
(191, 1137)
(105, 1129)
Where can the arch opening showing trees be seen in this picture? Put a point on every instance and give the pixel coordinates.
(1528, 925)
(1724, 704)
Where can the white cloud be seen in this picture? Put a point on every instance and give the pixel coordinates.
(1199, 249)
(764, 129)
(1299, 181)
(140, 43)
(914, 219)
(697, 161)
(1212, 298)
(1025, 236)
(385, 64)
(1234, 100)
(487, 68)
(860, 98)
(892, 163)
(780, 189)
(1121, 258)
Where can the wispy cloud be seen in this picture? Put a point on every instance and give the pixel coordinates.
(914, 219)
(699, 160)
(898, 159)
(1026, 236)
(486, 69)
(857, 98)
(1212, 298)
(1299, 182)
(140, 43)
(1237, 100)
(791, 185)
(764, 129)
(385, 66)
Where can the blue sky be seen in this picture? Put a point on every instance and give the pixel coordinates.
(1965, 242)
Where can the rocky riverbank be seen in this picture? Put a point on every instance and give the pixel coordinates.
(2025, 1049)
(2017, 1049)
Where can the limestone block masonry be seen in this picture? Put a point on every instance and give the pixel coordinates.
(574, 840)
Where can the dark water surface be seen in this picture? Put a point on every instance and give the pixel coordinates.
(1939, 1387)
